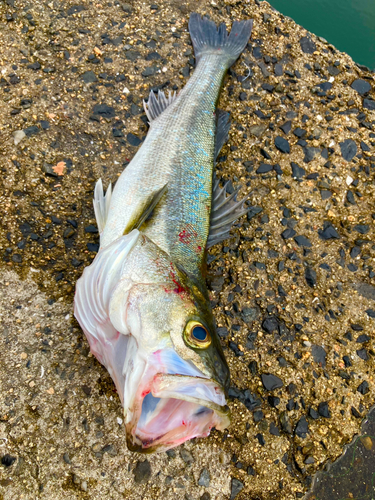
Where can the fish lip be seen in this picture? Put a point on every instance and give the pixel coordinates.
(157, 387)
(161, 380)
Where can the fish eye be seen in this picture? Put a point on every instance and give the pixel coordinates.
(196, 335)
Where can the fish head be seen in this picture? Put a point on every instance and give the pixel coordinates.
(177, 389)
(158, 341)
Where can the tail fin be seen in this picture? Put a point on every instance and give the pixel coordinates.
(207, 38)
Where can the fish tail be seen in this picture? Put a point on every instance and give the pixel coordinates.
(207, 38)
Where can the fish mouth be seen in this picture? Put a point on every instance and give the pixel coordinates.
(172, 409)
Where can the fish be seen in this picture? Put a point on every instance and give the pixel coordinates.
(143, 303)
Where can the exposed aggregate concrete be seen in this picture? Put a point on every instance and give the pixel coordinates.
(293, 289)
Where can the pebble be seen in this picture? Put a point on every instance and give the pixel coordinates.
(363, 388)
(302, 428)
(369, 104)
(18, 135)
(205, 496)
(204, 478)
(258, 415)
(91, 229)
(348, 149)
(104, 110)
(362, 228)
(328, 231)
(307, 45)
(350, 197)
(286, 127)
(319, 354)
(142, 472)
(236, 487)
(257, 130)
(274, 430)
(355, 412)
(367, 442)
(363, 87)
(264, 168)
(271, 382)
(133, 140)
(270, 324)
(288, 233)
(310, 277)
(89, 77)
(285, 423)
(282, 144)
(250, 314)
(8, 460)
(302, 241)
(297, 171)
(323, 410)
(278, 69)
(186, 456)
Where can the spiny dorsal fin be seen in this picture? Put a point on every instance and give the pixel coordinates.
(224, 211)
(156, 105)
(101, 203)
(222, 130)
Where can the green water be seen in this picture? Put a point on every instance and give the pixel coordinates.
(347, 24)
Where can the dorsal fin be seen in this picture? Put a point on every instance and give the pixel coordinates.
(156, 105)
(101, 203)
(224, 211)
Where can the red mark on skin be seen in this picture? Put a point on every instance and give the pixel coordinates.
(179, 289)
(183, 422)
(144, 393)
(186, 236)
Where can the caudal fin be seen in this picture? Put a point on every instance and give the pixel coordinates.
(209, 39)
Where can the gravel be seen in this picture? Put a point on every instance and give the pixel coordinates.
(81, 74)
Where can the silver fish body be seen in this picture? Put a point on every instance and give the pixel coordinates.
(143, 303)
(178, 151)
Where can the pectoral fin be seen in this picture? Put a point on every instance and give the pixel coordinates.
(145, 209)
(101, 203)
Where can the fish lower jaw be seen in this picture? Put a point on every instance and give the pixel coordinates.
(176, 421)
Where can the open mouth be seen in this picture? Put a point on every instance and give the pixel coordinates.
(173, 409)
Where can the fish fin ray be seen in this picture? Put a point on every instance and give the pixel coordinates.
(92, 306)
(222, 130)
(145, 209)
(101, 203)
(155, 106)
(225, 210)
(212, 39)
